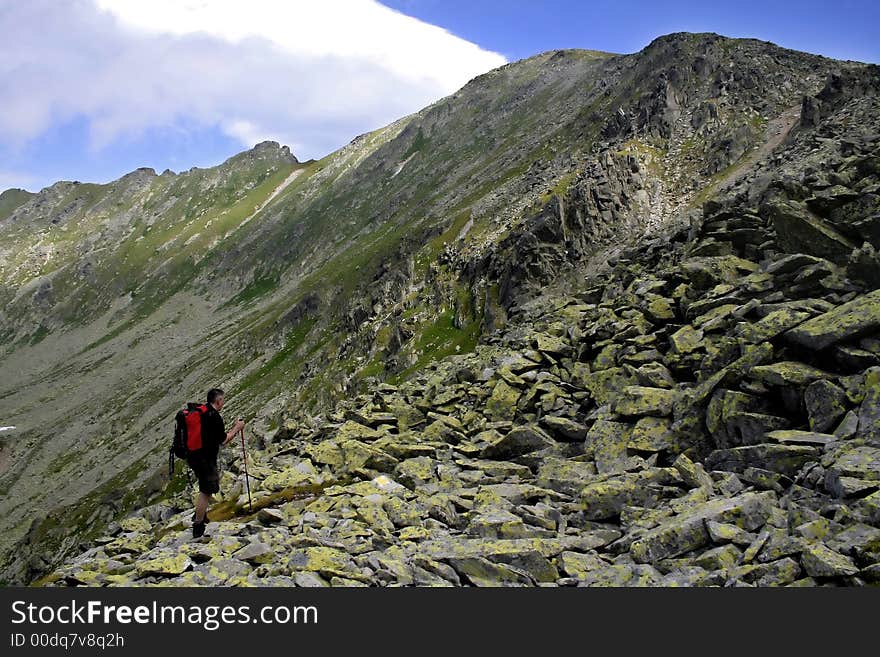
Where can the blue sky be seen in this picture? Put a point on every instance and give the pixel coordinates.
(92, 89)
(845, 29)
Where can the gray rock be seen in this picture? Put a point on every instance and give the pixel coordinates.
(784, 459)
(629, 575)
(798, 437)
(270, 516)
(565, 428)
(801, 231)
(849, 320)
(641, 400)
(869, 411)
(517, 441)
(687, 531)
(692, 474)
(606, 498)
(255, 552)
(825, 404)
(821, 561)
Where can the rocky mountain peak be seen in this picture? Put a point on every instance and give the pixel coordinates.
(140, 176)
(274, 147)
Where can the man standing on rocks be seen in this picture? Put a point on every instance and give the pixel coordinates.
(204, 461)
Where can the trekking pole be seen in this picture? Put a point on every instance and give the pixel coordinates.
(247, 482)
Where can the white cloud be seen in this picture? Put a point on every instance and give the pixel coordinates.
(359, 29)
(309, 74)
(246, 131)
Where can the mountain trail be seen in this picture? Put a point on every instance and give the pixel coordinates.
(775, 133)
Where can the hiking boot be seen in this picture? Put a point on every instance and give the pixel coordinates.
(198, 529)
(206, 520)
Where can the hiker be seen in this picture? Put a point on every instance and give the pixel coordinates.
(204, 461)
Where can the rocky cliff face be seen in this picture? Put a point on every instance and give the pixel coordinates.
(603, 320)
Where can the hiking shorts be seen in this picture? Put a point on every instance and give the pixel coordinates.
(206, 472)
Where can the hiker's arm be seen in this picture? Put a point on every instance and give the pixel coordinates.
(238, 426)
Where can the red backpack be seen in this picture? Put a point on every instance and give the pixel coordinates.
(187, 433)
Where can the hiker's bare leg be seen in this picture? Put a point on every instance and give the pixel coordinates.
(202, 506)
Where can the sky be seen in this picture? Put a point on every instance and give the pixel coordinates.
(92, 89)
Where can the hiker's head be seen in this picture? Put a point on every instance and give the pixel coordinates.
(215, 398)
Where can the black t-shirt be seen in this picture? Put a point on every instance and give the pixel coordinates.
(213, 432)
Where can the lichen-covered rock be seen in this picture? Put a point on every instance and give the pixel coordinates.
(327, 561)
(606, 498)
(686, 339)
(729, 375)
(798, 437)
(859, 539)
(225, 570)
(849, 320)
(128, 543)
(167, 565)
(538, 567)
(604, 385)
(416, 472)
(270, 516)
(771, 325)
(707, 271)
(687, 531)
(501, 405)
(869, 410)
(721, 532)
(692, 474)
(350, 455)
(135, 524)
(659, 308)
(482, 572)
(787, 373)
(641, 400)
(565, 428)
(255, 552)
(499, 523)
(607, 442)
(352, 430)
(821, 561)
(719, 558)
(455, 547)
(784, 459)
(517, 441)
(854, 469)
(630, 575)
(776, 573)
(652, 434)
(578, 564)
(801, 231)
(564, 475)
(825, 403)
(303, 473)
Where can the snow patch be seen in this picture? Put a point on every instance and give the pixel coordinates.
(402, 164)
